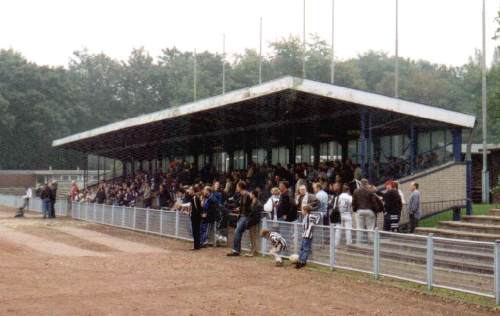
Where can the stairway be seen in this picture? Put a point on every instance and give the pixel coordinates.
(473, 227)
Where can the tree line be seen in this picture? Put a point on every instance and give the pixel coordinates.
(40, 103)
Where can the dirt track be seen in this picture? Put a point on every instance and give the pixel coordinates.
(111, 277)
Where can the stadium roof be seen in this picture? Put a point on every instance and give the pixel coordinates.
(288, 100)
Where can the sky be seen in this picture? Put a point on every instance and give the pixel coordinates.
(48, 32)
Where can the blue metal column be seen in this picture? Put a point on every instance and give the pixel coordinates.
(456, 133)
(362, 141)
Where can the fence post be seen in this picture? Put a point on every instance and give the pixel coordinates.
(102, 213)
(147, 220)
(134, 218)
(296, 237)
(430, 261)
(112, 214)
(376, 253)
(177, 219)
(332, 246)
(123, 216)
(161, 222)
(497, 271)
(94, 211)
(263, 241)
(215, 233)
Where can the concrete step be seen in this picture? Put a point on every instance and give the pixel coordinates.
(441, 258)
(470, 227)
(482, 219)
(440, 249)
(494, 212)
(450, 233)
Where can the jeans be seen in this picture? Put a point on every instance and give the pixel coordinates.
(305, 249)
(46, 208)
(204, 233)
(241, 226)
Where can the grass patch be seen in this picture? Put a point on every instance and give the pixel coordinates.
(433, 221)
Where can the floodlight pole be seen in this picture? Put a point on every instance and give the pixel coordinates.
(485, 173)
(260, 52)
(304, 41)
(223, 63)
(194, 75)
(396, 59)
(332, 69)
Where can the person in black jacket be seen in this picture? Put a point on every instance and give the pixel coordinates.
(244, 211)
(163, 197)
(195, 212)
(286, 207)
(256, 210)
(53, 197)
(100, 196)
(45, 196)
(392, 207)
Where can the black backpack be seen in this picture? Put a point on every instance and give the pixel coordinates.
(335, 213)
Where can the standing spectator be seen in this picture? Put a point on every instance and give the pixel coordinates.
(208, 215)
(414, 206)
(195, 212)
(272, 203)
(73, 191)
(45, 196)
(53, 197)
(100, 196)
(304, 198)
(26, 202)
(148, 199)
(163, 197)
(308, 222)
(253, 221)
(322, 202)
(364, 203)
(286, 206)
(392, 207)
(344, 206)
(244, 212)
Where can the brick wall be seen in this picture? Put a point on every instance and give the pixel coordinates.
(439, 184)
(17, 180)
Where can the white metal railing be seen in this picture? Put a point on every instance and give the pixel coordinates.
(35, 204)
(462, 265)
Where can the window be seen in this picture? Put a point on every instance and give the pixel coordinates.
(280, 155)
(259, 156)
(239, 161)
(304, 153)
(330, 151)
(202, 161)
(221, 161)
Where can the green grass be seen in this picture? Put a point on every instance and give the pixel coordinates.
(477, 209)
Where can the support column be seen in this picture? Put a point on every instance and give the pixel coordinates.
(269, 156)
(369, 151)
(124, 168)
(413, 148)
(363, 141)
(468, 175)
(316, 151)
(98, 169)
(344, 144)
(231, 159)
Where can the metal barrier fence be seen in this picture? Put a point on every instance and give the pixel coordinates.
(35, 204)
(461, 265)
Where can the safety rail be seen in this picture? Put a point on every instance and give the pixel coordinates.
(34, 205)
(461, 265)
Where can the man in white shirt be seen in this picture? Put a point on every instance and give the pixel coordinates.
(344, 205)
(322, 197)
(26, 202)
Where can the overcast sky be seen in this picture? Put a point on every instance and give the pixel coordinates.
(48, 31)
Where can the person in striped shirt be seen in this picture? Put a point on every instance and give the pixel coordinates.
(278, 244)
(308, 222)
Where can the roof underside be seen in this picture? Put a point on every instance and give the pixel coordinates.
(259, 116)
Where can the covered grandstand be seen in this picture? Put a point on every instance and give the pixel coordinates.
(290, 120)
